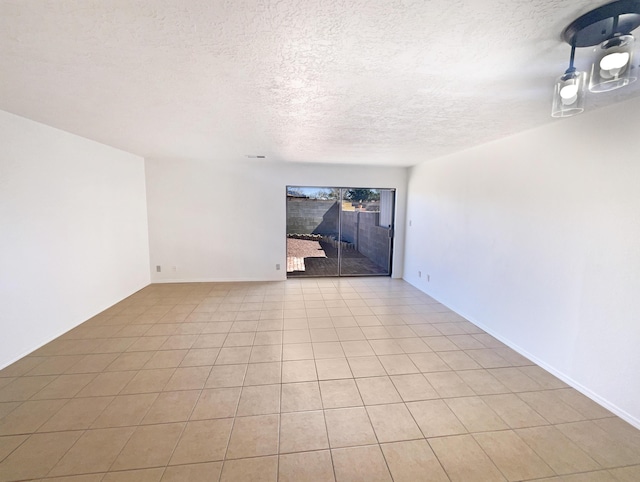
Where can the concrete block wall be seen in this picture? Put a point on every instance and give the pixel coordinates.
(306, 216)
(363, 230)
(373, 240)
(349, 226)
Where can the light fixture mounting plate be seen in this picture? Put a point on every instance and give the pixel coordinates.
(602, 23)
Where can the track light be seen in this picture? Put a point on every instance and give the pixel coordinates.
(608, 29)
(568, 96)
(611, 68)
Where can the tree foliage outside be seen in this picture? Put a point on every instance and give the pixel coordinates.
(361, 195)
(326, 193)
(322, 193)
(331, 193)
(292, 191)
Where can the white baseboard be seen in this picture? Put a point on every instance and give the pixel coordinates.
(623, 414)
(562, 376)
(216, 280)
(50, 338)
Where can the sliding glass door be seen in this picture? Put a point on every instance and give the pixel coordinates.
(339, 231)
(366, 231)
(313, 225)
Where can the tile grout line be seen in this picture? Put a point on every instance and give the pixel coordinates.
(511, 364)
(280, 406)
(233, 423)
(133, 432)
(374, 429)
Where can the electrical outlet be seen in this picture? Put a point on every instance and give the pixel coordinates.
(278, 267)
(174, 268)
(428, 278)
(409, 222)
(419, 274)
(158, 269)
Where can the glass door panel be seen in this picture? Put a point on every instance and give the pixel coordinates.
(339, 231)
(313, 225)
(366, 231)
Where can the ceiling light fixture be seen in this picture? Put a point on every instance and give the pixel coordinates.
(607, 28)
(568, 95)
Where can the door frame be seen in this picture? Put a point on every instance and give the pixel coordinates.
(339, 247)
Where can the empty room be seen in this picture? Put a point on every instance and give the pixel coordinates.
(319, 241)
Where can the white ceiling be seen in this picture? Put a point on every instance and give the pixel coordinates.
(391, 82)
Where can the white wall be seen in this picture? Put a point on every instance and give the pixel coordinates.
(73, 232)
(227, 222)
(536, 238)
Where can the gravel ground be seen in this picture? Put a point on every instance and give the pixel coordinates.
(302, 248)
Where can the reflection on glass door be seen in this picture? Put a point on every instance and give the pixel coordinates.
(339, 231)
(366, 231)
(313, 223)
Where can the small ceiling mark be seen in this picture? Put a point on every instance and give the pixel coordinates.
(256, 157)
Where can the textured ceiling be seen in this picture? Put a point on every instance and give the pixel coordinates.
(392, 82)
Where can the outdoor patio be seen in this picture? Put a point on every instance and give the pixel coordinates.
(320, 258)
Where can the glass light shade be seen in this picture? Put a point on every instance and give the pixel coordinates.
(568, 94)
(611, 68)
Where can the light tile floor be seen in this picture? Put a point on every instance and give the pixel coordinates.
(361, 379)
